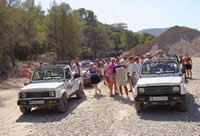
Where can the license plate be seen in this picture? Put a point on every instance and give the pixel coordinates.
(164, 98)
(36, 102)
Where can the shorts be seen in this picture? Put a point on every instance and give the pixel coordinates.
(134, 81)
(121, 83)
(111, 79)
(183, 70)
(188, 66)
(95, 79)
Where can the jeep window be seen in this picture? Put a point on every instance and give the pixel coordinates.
(160, 68)
(48, 74)
(85, 65)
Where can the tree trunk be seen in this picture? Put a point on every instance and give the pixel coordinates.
(12, 57)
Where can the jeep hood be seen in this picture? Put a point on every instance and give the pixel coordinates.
(159, 81)
(50, 86)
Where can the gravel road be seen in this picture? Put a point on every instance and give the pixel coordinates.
(105, 116)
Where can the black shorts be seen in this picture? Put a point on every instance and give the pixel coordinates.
(183, 70)
(95, 79)
(188, 66)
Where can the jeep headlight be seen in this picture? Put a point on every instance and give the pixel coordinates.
(52, 94)
(141, 90)
(22, 95)
(176, 89)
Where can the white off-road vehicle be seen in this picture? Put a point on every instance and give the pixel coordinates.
(161, 82)
(51, 86)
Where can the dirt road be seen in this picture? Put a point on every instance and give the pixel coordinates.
(102, 116)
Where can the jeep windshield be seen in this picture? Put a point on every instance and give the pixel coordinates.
(48, 74)
(160, 67)
(85, 65)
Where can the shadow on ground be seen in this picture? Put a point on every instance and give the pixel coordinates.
(99, 96)
(167, 113)
(47, 115)
(123, 100)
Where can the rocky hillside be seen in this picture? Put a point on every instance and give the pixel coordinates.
(176, 40)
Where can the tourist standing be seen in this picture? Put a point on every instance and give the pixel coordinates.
(182, 64)
(120, 75)
(76, 67)
(111, 78)
(129, 64)
(95, 79)
(26, 75)
(188, 66)
(135, 69)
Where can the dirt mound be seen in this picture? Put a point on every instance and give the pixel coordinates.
(176, 40)
(48, 57)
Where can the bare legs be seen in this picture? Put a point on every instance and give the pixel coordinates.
(189, 73)
(125, 88)
(110, 85)
(96, 89)
(130, 84)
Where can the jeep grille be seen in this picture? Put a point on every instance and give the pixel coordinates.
(37, 94)
(158, 90)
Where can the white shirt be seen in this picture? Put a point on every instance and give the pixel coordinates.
(146, 59)
(76, 69)
(135, 68)
(139, 67)
(129, 67)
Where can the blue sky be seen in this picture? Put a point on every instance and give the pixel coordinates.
(140, 14)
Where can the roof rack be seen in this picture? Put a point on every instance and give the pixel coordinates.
(50, 66)
(161, 60)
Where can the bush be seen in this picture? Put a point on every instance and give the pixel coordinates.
(21, 53)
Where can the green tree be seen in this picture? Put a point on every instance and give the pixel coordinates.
(64, 31)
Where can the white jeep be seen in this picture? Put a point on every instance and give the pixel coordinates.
(161, 82)
(51, 86)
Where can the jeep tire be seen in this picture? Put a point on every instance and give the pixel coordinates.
(139, 106)
(80, 93)
(182, 106)
(25, 110)
(62, 107)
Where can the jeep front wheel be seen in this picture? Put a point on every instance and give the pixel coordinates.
(25, 110)
(62, 107)
(139, 106)
(182, 106)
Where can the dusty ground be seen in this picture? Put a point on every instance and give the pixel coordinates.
(102, 116)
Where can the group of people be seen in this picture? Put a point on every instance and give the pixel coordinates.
(186, 65)
(116, 73)
(121, 74)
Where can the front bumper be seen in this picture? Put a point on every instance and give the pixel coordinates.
(39, 102)
(171, 98)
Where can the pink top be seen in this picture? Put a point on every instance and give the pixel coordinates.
(110, 68)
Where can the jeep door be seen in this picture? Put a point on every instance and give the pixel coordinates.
(69, 82)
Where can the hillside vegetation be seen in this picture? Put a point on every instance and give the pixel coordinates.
(153, 31)
(26, 31)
